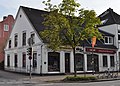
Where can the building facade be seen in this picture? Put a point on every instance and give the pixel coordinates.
(5, 29)
(44, 61)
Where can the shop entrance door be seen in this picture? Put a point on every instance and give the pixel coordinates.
(67, 62)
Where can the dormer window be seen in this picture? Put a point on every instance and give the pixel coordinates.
(104, 21)
(108, 40)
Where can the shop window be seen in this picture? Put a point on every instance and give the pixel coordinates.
(34, 60)
(79, 62)
(53, 61)
(8, 60)
(16, 61)
(105, 63)
(24, 60)
(89, 63)
(24, 38)
(112, 61)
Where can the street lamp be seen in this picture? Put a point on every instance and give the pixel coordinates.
(93, 44)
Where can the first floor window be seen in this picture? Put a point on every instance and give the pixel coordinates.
(112, 61)
(53, 61)
(105, 63)
(24, 60)
(79, 62)
(16, 61)
(89, 63)
(8, 60)
(34, 59)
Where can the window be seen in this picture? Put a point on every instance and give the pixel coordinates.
(8, 60)
(6, 27)
(108, 40)
(15, 40)
(9, 43)
(112, 61)
(34, 59)
(15, 61)
(24, 38)
(33, 38)
(24, 60)
(119, 37)
(53, 61)
(105, 63)
(79, 62)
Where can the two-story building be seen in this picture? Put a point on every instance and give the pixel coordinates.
(44, 61)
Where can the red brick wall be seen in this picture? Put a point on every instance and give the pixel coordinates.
(4, 35)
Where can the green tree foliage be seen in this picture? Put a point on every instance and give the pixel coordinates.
(67, 25)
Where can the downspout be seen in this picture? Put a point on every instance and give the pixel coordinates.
(41, 61)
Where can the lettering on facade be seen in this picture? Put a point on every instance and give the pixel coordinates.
(100, 50)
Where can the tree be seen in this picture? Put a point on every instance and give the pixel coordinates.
(64, 28)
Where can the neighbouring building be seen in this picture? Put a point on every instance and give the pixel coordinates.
(5, 29)
(111, 24)
(44, 61)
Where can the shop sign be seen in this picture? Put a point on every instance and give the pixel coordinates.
(100, 50)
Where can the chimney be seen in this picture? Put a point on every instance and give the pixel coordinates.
(4, 17)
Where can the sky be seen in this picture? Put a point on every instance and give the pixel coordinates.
(10, 7)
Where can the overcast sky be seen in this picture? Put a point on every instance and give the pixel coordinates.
(10, 7)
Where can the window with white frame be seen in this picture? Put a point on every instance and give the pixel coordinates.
(8, 60)
(15, 40)
(105, 61)
(23, 38)
(112, 61)
(10, 43)
(6, 27)
(15, 61)
(34, 59)
(108, 40)
(24, 60)
(33, 37)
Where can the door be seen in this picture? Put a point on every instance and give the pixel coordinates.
(96, 63)
(67, 62)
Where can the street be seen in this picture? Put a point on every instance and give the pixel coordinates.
(14, 79)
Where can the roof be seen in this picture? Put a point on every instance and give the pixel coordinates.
(109, 17)
(36, 18)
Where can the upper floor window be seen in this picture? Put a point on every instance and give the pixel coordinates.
(15, 40)
(9, 43)
(6, 27)
(24, 38)
(33, 37)
(108, 40)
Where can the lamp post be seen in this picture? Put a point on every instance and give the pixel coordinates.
(93, 44)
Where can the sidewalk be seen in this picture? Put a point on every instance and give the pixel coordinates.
(53, 78)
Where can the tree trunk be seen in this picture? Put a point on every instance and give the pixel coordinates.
(75, 71)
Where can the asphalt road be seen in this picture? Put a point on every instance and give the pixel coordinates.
(15, 79)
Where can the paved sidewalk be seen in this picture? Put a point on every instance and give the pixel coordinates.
(43, 79)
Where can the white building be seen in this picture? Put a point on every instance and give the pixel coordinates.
(28, 24)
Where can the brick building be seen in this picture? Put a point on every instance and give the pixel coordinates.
(5, 28)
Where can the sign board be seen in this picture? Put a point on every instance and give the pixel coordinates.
(100, 50)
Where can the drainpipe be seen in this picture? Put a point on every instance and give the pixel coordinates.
(41, 61)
